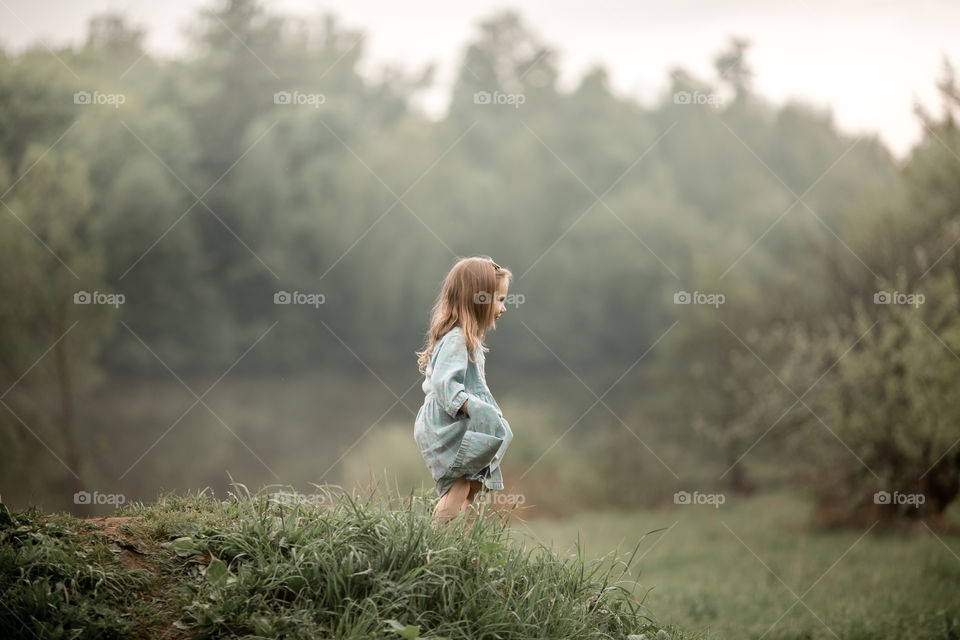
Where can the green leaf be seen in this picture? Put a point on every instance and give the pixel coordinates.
(410, 632)
(185, 547)
(217, 573)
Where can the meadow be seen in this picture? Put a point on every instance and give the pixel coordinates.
(752, 568)
(325, 565)
(755, 568)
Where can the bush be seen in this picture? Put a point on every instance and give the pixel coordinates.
(879, 430)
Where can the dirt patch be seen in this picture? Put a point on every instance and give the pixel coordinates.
(132, 556)
(143, 554)
(111, 525)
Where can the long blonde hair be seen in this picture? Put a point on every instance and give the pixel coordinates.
(467, 298)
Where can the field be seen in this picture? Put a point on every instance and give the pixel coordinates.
(733, 572)
(754, 569)
(279, 566)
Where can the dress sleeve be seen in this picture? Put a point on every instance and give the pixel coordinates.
(449, 370)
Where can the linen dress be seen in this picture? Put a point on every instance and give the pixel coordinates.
(453, 444)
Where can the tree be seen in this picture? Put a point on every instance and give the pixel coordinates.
(885, 417)
(51, 254)
(732, 67)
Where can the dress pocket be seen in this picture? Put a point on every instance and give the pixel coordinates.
(476, 451)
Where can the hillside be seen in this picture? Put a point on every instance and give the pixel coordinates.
(286, 565)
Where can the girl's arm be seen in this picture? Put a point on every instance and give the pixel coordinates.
(447, 379)
(449, 371)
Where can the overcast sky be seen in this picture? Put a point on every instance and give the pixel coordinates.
(867, 60)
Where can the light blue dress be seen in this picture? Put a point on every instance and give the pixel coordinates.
(453, 444)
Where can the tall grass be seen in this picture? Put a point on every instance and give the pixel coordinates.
(58, 582)
(281, 564)
(376, 567)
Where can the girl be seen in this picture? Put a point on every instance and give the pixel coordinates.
(460, 429)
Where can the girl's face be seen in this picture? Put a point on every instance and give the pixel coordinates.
(500, 300)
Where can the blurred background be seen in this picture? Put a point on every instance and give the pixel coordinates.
(223, 225)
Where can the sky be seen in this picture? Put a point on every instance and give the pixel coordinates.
(867, 61)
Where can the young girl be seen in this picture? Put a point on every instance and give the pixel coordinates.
(460, 429)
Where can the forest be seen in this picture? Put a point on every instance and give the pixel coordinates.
(769, 301)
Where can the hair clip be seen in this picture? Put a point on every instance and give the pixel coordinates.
(496, 267)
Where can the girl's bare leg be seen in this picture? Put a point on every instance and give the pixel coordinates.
(453, 501)
(475, 487)
(459, 500)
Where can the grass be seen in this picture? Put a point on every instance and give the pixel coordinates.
(286, 565)
(732, 572)
(61, 577)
